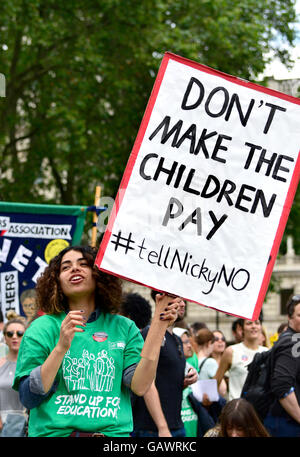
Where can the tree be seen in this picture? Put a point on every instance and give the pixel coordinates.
(79, 74)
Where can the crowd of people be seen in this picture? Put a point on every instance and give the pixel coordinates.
(95, 362)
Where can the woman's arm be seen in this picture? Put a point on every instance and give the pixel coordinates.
(51, 365)
(223, 388)
(165, 315)
(291, 406)
(225, 364)
(153, 405)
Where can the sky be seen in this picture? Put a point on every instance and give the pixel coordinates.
(277, 69)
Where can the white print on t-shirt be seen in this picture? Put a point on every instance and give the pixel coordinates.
(89, 372)
(89, 407)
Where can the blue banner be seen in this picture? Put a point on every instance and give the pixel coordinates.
(30, 236)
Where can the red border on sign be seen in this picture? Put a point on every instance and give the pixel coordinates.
(139, 139)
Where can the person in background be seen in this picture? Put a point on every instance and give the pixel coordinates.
(207, 369)
(238, 419)
(136, 308)
(181, 322)
(219, 346)
(264, 337)
(194, 328)
(81, 348)
(13, 416)
(207, 366)
(237, 356)
(283, 418)
(28, 302)
(158, 413)
(188, 415)
(193, 359)
(282, 327)
(237, 330)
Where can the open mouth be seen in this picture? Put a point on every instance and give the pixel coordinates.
(76, 279)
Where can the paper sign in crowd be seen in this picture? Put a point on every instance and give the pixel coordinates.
(207, 190)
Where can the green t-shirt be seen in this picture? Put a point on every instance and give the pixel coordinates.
(193, 360)
(188, 415)
(90, 395)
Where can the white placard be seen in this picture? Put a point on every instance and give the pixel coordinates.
(207, 190)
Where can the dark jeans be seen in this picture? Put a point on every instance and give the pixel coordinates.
(177, 433)
(279, 426)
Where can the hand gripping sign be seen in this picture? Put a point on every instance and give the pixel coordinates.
(207, 190)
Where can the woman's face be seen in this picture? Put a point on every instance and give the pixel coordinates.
(219, 343)
(252, 329)
(13, 336)
(235, 432)
(75, 276)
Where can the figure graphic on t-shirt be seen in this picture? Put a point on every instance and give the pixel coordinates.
(85, 356)
(91, 372)
(67, 365)
(105, 369)
(88, 372)
(80, 370)
(75, 374)
(110, 374)
(100, 369)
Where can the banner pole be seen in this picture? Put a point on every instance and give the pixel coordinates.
(95, 217)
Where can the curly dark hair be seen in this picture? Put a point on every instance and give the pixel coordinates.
(136, 308)
(49, 295)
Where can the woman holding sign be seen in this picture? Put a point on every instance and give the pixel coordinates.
(77, 361)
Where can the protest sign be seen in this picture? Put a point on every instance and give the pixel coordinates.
(207, 190)
(30, 236)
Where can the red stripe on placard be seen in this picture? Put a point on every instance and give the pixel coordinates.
(132, 159)
(277, 240)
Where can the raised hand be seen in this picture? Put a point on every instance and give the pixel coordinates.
(167, 307)
(69, 327)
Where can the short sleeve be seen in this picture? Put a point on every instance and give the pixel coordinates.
(134, 346)
(36, 345)
(212, 367)
(209, 369)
